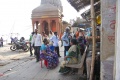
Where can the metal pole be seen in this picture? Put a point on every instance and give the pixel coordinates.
(93, 38)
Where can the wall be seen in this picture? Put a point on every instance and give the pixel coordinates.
(108, 21)
(117, 43)
(108, 17)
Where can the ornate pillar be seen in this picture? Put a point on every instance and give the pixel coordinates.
(49, 27)
(57, 28)
(40, 26)
(61, 26)
(33, 26)
(37, 24)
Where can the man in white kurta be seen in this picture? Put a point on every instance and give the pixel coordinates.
(55, 41)
(37, 40)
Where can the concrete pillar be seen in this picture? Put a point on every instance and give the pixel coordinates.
(108, 16)
(108, 21)
(41, 27)
(33, 26)
(36, 24)
(57, 26)
(117, 43)
(49, 26)
(39, 30)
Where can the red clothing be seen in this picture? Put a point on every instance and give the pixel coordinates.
(77, 34)
(46, 63)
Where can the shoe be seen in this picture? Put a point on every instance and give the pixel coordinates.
(30, 55)
(35, 56)
(37, 60)
(59, 56)
(65, 72)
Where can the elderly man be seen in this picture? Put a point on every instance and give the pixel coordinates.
(66, 41)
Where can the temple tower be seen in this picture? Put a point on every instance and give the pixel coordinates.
(48, 16)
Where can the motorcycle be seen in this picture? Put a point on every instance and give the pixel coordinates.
(19, 45)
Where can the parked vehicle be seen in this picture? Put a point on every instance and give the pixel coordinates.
(17, 45)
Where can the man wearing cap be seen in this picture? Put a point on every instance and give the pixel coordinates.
(65, 39)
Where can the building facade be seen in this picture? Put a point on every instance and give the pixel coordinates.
(48, 16)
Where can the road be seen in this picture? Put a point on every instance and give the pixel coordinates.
(18, 65)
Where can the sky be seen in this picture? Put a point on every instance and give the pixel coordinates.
(15, 16)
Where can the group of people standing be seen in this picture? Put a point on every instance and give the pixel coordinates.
(68, 36)
(45, 47)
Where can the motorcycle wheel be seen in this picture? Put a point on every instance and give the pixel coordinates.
(26, 49)
(13, 47)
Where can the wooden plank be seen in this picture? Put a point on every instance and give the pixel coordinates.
(79, 65)
(74, 65)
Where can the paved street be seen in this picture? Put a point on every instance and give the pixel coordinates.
(18, 65)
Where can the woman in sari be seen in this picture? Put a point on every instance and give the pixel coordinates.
(48, 55)
(71, 57)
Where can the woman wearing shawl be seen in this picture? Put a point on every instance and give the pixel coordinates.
(71, 57)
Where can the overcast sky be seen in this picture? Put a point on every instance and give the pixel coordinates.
(15, 15)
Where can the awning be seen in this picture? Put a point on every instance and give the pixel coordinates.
(80, 4)
(81, 25)
(87, 14)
